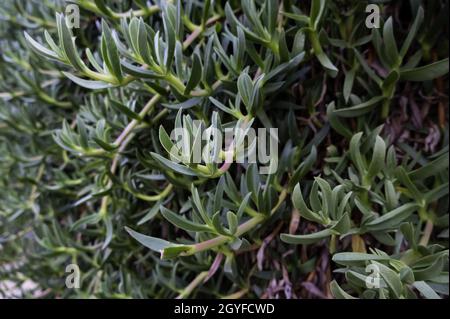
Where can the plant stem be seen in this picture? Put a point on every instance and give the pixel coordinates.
(152, 198)
(138, 13)
(33, 194)
(198, 30)
(332, 248)
(124, 138)
(385, 108)
(219, 240)
(242, 229)
(194, 283)
(236, 295)
(426, 233)
(191, 38)
(150, 104)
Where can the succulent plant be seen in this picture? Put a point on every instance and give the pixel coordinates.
(350, 202)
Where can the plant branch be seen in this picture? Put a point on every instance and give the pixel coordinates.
(194, 283)
(242, 229)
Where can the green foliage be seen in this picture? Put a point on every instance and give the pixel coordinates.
(90, 174)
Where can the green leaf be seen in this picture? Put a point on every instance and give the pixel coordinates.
(205, 13)
(244, 204)
(182, 222)
(112, 53)
(282, 47)
(343, 225)
(86, 220)
(221, 106)
(437, 193)
(297, 17)
(304, 167)
(65, 39)
(100, 4)
(252, 179)
(223, 56)
(272, 13)
(232, 222)
(93, 61)
(317, 9)
(412, 32)
(406, 275)
(106, 146)
(240, 50)
(409, 233)
(142, 45)
(217, 224)
(196, 74)
(170, 35)
(357, 259)
(426, 73)
(393, 218)
(326, 63)
(338, 292)
(93, 85)
(325, 189)
(150, 214)
(299, 43)
(52, 43)
(391, 278)
(139, 72)
(377, 163)
(245, 88)
(165, 248)
(251, 13)
(306, 239)
(168, 145)
(390, 194)
(384, 237)
(320, 54)
(389, 42)
(299, 203)
(174, 166)
(184, 105)
(432, 168)
(428, 273)
(336, 123)
(125, 110)
(360, 109)
(425, 290)
(199, 206)
(355, 153)
(348, 84)
(315, 200)
(284, 67)
(406, 181)
(367, 69)
(40, 49)
(84, 138)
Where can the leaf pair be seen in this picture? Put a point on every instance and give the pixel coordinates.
(393, 60)
(330, 207)
(67, 53)
(368, 170)
(379, 275)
